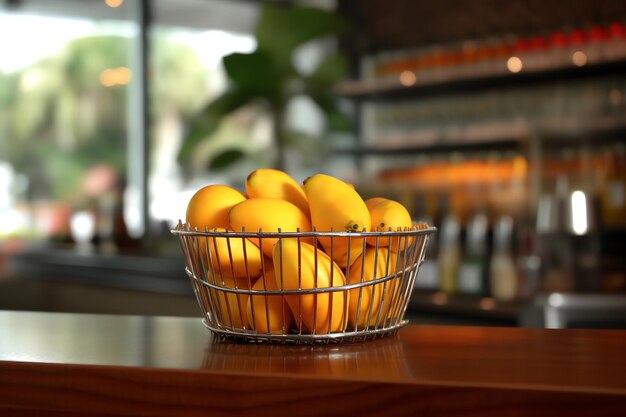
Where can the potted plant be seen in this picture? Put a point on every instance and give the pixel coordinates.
(268, 77)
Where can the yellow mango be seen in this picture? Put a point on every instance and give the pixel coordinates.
(269, 215)
(209, 206)
(231, 307)
(389, 215)
(273, 183)
(295, 266)
(338, 207)
(271, 312)
(372, 264)
(232, 256)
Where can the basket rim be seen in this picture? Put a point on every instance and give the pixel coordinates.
(184, 229)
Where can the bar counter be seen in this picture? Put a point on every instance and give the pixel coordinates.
(62, 364)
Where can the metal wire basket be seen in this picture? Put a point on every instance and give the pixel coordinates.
(300, 296)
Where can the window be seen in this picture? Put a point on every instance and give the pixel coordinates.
(63, 113)
(70, 123)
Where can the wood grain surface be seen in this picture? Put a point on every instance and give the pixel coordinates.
(66, 364)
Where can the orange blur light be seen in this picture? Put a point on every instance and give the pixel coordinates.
(114, 4)
(123, 75)
(440, 298)
(407, 78)
(520, 166)
(514, 64)
(115, 76)
(615, 96)
(579, 58)
(487, 303)
(107, 78)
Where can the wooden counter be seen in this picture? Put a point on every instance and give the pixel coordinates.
(59, 364)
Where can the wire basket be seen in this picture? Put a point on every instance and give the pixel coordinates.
(299, 295)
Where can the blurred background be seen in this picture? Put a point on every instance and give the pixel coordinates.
(501, 123)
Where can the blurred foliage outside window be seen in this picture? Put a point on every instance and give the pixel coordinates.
(64, 115)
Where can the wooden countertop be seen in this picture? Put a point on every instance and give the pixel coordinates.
(73, 364)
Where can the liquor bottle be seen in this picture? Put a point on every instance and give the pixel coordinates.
(613, 191)
(449, 253)
(502, 269)
(473, 277)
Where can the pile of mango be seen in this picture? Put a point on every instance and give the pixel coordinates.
(274, 202)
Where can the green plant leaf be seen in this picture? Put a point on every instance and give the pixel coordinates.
(295, 138)
(330, 70)
(207, 122)
(339, 121)
(225, 159)
(326, 101)
(255, 73)
(282, 29)
(319, 86)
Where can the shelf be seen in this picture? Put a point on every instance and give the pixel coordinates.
(603, 132)
(393, 89)
(551, 139)
(495, 145)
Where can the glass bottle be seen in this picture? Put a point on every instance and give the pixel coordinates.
(502, 269)
(473, 277)
(449, 253)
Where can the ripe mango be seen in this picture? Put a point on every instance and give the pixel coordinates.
(299, 265)
(271, 312)
(268, 215)
(372, 264)
(273, 183)
(232, 256)
(338, 207)
(209, 206)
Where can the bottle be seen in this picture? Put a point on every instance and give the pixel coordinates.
(449, 253)
(555, 246)
(473, 271)
(613, 191)
(502, 269)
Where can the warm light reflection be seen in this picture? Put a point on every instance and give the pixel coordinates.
(407, 78)
(114, 3)
(115, 76)
(514, 64)
(440, 298)
(615, 96)
(107, 78)
(123, 75)
(579, 212)
(469, 47)
(487, 303)
(579, 58)
(520, 167)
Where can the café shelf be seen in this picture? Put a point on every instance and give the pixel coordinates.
(393, 89)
